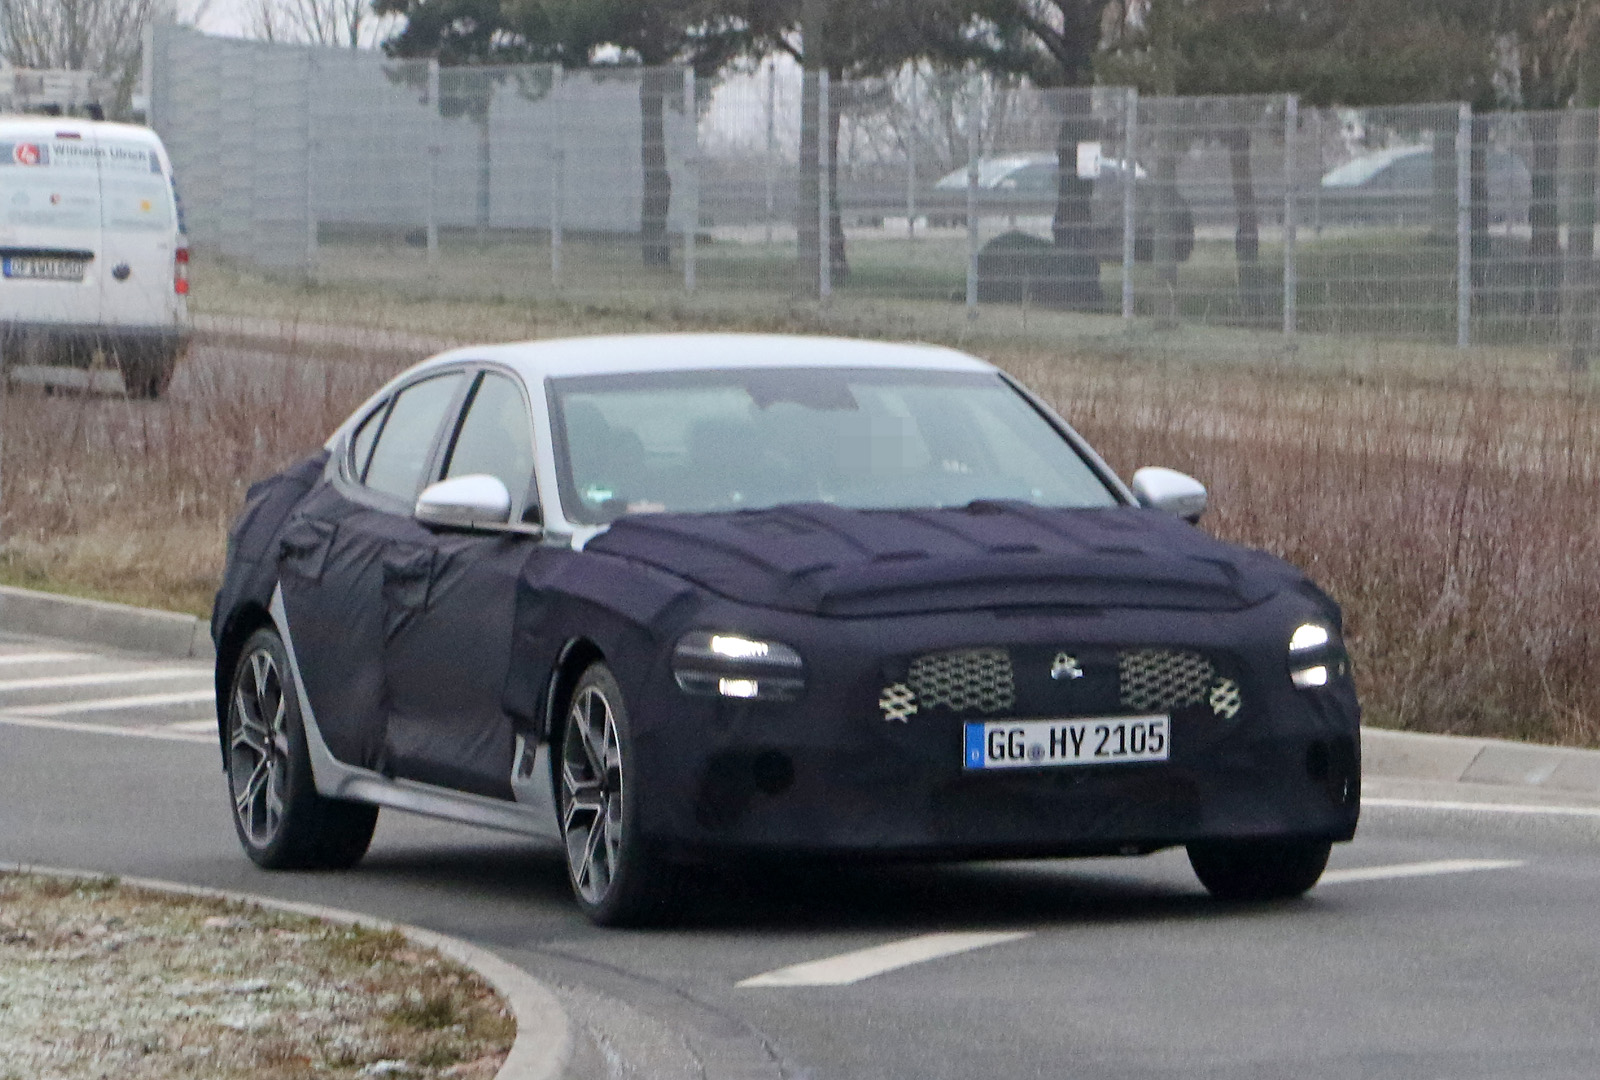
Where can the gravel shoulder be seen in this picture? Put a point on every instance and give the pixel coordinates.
(101, 979)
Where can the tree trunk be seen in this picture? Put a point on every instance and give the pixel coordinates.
(808, 229)
(1253, 288)
(1544, 213)
(655, 84)
(839, 268)
(1073, 225)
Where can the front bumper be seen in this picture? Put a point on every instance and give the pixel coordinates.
(829, 774)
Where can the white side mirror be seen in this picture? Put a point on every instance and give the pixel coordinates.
(1170, 490)
(465, 502)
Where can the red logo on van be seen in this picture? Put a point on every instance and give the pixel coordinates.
(26, 153)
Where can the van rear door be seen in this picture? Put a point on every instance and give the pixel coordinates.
(50, 232)
(139, 232)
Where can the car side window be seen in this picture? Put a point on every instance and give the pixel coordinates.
(405, 445)
(361, 442)
(495, 438)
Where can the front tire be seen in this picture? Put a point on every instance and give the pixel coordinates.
(1257, 870)
(615, 878)
(281, 821)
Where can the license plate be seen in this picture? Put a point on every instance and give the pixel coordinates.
(1094, 740)
(46, 269)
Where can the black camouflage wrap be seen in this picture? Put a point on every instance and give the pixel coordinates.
(424, 654)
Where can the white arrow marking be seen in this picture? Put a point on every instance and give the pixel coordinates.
(1419, 869)
(852, 967)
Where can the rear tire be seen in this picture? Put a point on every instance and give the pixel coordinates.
(281, 821)
(1256, 870)
(615, 877)
(146, 369)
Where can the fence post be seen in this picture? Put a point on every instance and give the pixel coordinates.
(974, 149)
(558, 178)
(691, 170)
(1291, 282)
(1316, 188)
(1130, 177)
(824, 190)
(911, 160)
(1464, 227)
(310, 169)
(772, 145)
(435, 120)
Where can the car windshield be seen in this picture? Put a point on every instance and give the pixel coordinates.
(755, 438)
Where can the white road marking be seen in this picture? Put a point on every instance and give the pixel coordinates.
(52, 682)
(1419, 869)
(852, 967)
(1482, 808)
(45, 657)
(107, 729)
(201, 726)
(86, 705)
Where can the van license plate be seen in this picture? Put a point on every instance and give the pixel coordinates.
(44, 269)
(1091, 740)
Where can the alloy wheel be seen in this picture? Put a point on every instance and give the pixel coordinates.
(258, 747)
(592, 793)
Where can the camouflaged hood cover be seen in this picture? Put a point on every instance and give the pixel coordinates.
(824, 560)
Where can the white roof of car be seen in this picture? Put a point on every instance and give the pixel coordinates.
(633, 353)
(13, 125)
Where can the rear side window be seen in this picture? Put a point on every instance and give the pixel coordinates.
(495, 438)
(406, 442)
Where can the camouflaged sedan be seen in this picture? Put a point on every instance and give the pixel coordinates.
(675, 599)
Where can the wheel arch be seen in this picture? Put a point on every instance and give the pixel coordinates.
(575, 657)
(245, 620)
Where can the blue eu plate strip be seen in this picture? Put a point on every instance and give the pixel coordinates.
(974, 746)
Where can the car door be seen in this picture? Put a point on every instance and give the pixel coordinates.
(346, 562)
(50, 240)
(448, 654)
(139, 234)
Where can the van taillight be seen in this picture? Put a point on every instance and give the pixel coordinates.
(180, 271)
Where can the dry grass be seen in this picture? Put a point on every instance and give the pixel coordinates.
(103, 980)
(1452, 510)
(1456, 520)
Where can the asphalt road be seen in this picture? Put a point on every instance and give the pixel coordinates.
(1443, 945)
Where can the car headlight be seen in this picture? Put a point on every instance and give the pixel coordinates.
(1315, 656)
(734, 666)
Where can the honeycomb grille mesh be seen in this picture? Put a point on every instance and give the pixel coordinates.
(971, 680)
(1160, 680)
(982, 681)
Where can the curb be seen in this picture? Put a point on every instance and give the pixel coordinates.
(98, 622)
(1414, 755)
(543, 1043)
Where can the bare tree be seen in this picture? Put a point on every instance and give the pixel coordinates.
(102, 36)
(349, 23)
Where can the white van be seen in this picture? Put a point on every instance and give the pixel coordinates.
(93, 260)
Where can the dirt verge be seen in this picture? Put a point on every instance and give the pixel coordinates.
(99, 979)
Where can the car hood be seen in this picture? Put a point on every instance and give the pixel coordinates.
(826, 560)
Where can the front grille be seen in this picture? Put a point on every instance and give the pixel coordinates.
(971, 680)
(1159, 680)
(983, 681)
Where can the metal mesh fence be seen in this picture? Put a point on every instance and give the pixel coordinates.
(943, 198)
